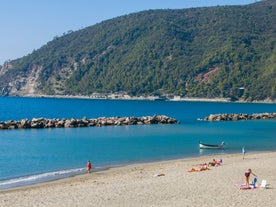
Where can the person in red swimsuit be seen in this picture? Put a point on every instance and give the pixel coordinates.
(89, 166)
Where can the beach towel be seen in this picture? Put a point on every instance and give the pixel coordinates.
(248, 188)
(242, 186)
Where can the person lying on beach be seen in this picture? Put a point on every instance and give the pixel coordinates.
(203, 168)
(213, 163)
(200, 164)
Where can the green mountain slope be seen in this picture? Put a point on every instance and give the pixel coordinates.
(210, 52)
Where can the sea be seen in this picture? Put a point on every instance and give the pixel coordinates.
(33, 156)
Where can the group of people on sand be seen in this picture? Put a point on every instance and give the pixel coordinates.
(215, 163)
(205, 166)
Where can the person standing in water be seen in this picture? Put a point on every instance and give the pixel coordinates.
(89, 166)
(243, 152)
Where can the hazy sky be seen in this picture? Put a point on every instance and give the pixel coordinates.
(26, 25)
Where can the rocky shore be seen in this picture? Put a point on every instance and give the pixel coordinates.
(236, 117)
(40, 123)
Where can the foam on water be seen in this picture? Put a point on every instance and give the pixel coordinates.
(33, 179)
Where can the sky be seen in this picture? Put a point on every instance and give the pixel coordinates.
(27, 25)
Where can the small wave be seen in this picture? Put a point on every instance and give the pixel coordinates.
(27, 180)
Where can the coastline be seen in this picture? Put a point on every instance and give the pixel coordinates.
(138, 185)
(145, 98)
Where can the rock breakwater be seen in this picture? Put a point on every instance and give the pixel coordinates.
(236, 117)
(40, 123)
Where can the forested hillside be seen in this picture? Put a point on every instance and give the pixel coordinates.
(223, 51)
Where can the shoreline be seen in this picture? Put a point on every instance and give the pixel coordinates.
(148, 98)
(75, 172)
(138, 185)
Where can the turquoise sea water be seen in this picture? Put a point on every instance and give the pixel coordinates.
(36, 155)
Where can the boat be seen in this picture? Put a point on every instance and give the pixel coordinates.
(211, 146)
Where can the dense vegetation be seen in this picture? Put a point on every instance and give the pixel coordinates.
(223, 51)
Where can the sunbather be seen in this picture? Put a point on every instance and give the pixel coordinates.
(213, 163)
(202, 168)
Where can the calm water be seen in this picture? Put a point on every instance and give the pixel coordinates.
(30, 156)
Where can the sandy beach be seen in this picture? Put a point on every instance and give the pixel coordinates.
(138, 185)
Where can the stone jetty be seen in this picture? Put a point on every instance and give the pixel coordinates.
(236, 117)
(40, 123)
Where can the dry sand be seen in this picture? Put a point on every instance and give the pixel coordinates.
(137, 185)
